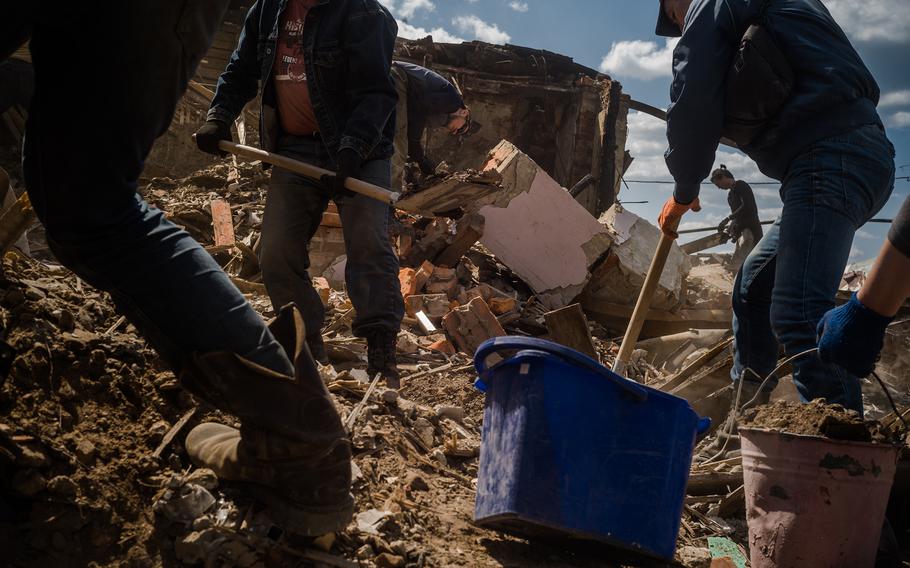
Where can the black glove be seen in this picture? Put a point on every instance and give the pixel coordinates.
(723, 225)
(427, 166)
(211, 133)
(349, 163)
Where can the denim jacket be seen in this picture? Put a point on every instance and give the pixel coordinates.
(348, 48)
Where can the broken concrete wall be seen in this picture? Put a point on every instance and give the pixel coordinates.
(537, 229)
(531, 98)
(610, 158)
(620, 277)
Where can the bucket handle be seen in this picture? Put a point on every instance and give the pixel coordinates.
(497, 344)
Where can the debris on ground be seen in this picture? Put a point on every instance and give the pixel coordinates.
(92, 423)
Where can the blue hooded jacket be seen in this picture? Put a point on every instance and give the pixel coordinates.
(834, 91)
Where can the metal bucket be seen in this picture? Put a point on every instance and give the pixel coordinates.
(815, 502)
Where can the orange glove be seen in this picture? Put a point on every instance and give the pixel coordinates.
(672, 214)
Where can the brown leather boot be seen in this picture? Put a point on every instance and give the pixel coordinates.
(291, 448)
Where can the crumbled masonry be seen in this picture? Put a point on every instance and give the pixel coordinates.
(93, 469)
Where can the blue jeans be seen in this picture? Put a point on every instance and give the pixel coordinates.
(791, 278)
(107, 82)
(293, 212)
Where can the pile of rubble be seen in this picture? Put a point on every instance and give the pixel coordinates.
(91, 459)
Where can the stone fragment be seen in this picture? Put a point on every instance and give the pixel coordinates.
(86, 452)
(386, 560)
(63, 486)
(425, 431)
(619, 278)
(455, 413)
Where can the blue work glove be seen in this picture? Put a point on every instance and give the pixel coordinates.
(852, 337)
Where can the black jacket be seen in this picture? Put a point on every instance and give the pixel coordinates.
(431, 99)
(744, 211)
(348, 47)
(834, 92)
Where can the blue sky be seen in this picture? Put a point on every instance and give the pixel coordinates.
(617, 37)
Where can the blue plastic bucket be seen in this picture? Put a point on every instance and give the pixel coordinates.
(571, 450)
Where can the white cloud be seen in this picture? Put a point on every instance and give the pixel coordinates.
(479, 29)
(645, 60)
(895, 99)
(879, 21)
(857, 253)
(900, 120)
(441, 35)
(518, 6)
(863, 234)
(408, 8)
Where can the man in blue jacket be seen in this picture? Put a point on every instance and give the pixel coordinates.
(328, 99)
(425, 99)
(291, 445)
(827, 146)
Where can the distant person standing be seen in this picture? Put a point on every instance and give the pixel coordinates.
(742, 224)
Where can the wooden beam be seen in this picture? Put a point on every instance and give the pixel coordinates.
(705, 243)
(470, 230)
(696, 365)
(713, 483)
(569, 326)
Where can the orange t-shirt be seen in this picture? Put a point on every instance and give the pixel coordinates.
(295, 109)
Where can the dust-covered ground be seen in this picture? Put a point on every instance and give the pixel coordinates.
(93, 470)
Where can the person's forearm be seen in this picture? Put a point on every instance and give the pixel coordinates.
(888, 285)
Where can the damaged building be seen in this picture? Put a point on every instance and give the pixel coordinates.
(521, 234)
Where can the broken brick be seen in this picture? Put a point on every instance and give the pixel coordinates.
(443, 346)
(223, 223)
(434, 305)
(471, 325)
(406, 279)
(444, 281)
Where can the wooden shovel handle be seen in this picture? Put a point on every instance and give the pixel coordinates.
(643, 305)
(308, 170)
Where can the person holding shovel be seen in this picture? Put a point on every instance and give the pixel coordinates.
(327, 99)
(820, 135)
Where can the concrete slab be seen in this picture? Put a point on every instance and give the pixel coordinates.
(537, 229)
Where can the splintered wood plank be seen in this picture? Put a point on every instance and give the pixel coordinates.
(223, 223)
(569, 326)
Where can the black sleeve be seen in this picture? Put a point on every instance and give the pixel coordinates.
(900, 230)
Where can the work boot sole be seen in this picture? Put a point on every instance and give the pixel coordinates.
(301, 522)
(214, 446)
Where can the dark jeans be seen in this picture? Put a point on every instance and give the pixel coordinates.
(790, 280)
(293, 212)
(108, 77)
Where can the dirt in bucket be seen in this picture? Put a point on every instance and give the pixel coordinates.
(818, 419)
